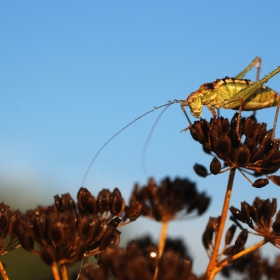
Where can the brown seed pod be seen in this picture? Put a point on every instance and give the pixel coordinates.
(245, 210)
(200, 170)
(240, 241)
(14, 220)
(237, 214)
(104, 201)
(25, 236)
(257, 153)
(86, 202)
(4, 218)
(229, 250)
(224, 145)
(266, 210)
(197, 131)
(254, 213)
(216, 223)
(203, 203)
(229, 234)
(133, 211)
(65, 202)
(225, 127)
(276, 226)
(117, 203)
(260, 183)
(48, 254)
(274, 206)
(242, 156)
(110, 237)
(208, 233)
(249, 124)
(215, 166)
(275, 179)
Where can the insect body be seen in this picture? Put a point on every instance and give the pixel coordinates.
(228, 93)
(233, 93)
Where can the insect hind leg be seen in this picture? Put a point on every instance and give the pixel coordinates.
(257, 62)
(276, 117)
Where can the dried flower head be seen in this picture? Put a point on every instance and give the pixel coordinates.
(66, 231)
(140, 260)
(8, 224)
(259, 152)
(165, 202)
(260, 217)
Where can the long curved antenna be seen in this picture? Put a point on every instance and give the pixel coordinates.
(149, 138)
(116, 134)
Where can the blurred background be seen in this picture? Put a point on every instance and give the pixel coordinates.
(73, 73)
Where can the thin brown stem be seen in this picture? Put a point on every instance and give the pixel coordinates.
(210, 273)
(64, 272)
(161, 243)
(3, 271)
(55, 272)
(225, 262)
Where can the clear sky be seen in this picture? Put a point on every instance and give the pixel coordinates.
(75, 72)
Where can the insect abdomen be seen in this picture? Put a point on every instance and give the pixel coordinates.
(264, 97)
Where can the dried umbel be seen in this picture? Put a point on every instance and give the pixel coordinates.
(260, 217)
(167, 201)
(140, 260)
(258, 153)
(66, 231)
(253, 266)
(8, 223)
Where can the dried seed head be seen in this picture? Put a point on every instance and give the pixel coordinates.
(167, 201)
(259, 153)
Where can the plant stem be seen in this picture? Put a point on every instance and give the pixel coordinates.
(162, 239)
(211, 272)
(3, 271)
(55, 272)
(228, 260)
(161, 243)
(64, 272)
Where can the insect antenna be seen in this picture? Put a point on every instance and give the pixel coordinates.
(149, 138)
(121, 130)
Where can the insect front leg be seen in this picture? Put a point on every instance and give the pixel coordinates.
(183, 104)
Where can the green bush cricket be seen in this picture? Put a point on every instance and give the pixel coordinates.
(228, 93)
(234, 93)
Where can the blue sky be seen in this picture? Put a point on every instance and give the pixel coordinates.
(75, 72)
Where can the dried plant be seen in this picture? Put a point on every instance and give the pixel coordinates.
(70, 231)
